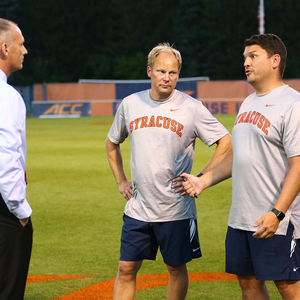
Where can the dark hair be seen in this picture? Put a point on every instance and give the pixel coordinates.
(272, 44)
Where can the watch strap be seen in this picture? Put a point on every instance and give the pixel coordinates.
(279, 214)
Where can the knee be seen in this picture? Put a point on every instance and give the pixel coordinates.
(288, 289)
(178, 271)
(128, 269)
(250, 285)
(285, 291)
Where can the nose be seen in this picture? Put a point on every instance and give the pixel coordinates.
(25, 51)
(246, 62)
(166, 76)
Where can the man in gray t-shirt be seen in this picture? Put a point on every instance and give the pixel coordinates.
(162, 124)
(263, 236)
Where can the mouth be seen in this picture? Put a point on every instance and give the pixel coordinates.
(248, 72)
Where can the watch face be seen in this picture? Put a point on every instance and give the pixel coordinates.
(280, 216)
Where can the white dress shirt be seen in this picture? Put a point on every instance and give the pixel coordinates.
(13, 150)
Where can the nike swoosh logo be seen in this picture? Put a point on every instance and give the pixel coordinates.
(174, 109)
(295, 269)
(268, 105)
(194, 250)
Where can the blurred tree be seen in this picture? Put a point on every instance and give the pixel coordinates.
(212, 38)
(69, 40)
(9, 9)
(282, 18)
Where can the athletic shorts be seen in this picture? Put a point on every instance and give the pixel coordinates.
(275, 258)
(178, 241)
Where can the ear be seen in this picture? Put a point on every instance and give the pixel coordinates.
(149, 71)
(4, 51)
(276, 61)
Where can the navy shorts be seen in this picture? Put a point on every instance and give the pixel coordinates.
(178, 241)
(276, 258)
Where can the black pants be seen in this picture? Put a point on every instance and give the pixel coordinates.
(15, 252)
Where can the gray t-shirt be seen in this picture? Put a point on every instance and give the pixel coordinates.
(266, 133)
(162, 140)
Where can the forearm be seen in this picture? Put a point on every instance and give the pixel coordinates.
(224, 146)
(115, 161)
(290, 187)
(220, 172)
(193, 186)
(116, 164)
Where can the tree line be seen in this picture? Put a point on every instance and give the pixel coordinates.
(68, 40)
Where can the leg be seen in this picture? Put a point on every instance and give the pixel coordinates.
(179, 244)
(15, 252)
(125, 285)
(179, 282)
(253, 288)
(289, 289)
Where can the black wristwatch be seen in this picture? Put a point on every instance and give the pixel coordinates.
(279, 214)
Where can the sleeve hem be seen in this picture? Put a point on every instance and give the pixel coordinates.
(23, 211)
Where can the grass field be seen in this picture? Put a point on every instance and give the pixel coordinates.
(77, 213)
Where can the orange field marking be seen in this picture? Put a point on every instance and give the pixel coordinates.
(104, 290)
(41, 278)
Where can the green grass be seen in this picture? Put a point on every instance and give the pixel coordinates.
(77, 212)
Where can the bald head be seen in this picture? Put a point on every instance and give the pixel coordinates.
(12, 49)
(5, 31)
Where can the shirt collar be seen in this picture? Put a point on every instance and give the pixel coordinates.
(3, 76)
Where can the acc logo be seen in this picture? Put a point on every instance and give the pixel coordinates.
(65, 109)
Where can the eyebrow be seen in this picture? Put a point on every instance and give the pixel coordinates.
(251, 52)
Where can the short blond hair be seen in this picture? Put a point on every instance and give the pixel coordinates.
(163, 48)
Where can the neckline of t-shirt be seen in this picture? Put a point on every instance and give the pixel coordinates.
(272, 91)
(161, 101)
